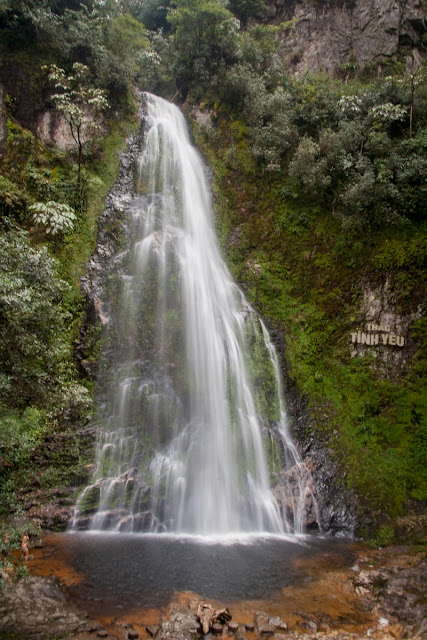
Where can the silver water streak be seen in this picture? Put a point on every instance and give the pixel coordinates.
(194, 386)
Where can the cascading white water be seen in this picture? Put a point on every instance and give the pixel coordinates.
(194, 388)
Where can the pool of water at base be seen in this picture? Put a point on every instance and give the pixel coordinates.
(129, 571)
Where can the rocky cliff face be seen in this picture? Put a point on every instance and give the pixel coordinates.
(30, 106)
(327, 35)
(384, 333)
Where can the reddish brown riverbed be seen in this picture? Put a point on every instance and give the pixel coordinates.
(330, 593)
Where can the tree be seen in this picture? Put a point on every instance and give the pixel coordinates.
(153, 14)
(205, 35)
(415, 75)
(16, 27)
(32, 322)
(381, 116)
(127, 44)
(80, 104)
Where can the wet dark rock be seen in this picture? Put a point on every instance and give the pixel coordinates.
(194, 631)
(51, 516)
(53, 508)
(310, 625)
(132, 635)
(82, 524)
(126, 525)
(398, 592)
(90, 500)
(83, 473)
(93, 282)
(113, 517)
(97, 314)
(411, 529)
(261, 618)
(143, 522)
(143, 501)
(333, 509)
(38, 608)
(60, 492)
(66, 502)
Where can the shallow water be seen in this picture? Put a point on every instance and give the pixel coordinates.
(137, 571)
(310, 583)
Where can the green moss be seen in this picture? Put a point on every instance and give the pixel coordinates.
(272, 455)
(383, 538)
(99, 177)
(90, 500)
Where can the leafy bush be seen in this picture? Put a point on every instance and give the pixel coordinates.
(56, 218)
(32, 327)
(13, 200)
(239, 85)
(35, 357)
(258, 49)
(275, 134)
(19, 434)
(309, 168)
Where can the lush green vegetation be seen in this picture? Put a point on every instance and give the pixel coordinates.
(320, 187)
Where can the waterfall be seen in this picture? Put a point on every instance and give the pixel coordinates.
(193, 420)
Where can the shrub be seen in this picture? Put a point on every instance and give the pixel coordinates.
(13, 200)
(19, 434)
(56, 218)
(32, 342)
